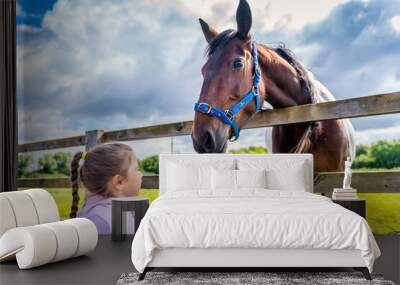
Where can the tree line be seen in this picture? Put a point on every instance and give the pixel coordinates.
(59, 164)
(382, 154)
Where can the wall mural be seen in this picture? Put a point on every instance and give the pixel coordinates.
(110, 65)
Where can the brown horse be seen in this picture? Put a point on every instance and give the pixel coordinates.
(228, 77)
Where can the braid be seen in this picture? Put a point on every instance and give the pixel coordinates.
(75, 185)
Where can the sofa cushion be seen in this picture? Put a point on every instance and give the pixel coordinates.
(7, 220)
(23, 208)
(45, 205)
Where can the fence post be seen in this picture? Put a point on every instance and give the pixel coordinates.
(93, 138)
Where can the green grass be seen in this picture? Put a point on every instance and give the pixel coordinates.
(375, 169)
(63, 198)
(383, 210)
(152, 194)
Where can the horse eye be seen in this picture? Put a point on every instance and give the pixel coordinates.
(238, 63)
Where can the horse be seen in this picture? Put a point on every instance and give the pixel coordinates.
(240, 75)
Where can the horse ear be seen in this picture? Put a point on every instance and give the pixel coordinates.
(243, 19)
(209, 33)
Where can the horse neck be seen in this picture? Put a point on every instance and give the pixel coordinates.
(281, 81)
(282, 87)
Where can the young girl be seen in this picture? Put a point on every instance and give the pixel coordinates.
(108, 170)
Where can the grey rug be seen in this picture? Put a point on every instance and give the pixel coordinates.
(225, 278)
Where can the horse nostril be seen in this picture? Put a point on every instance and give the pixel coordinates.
(209, 142)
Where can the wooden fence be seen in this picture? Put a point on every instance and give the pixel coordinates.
(365, 182)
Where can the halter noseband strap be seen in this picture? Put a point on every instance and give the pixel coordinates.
(228, 116)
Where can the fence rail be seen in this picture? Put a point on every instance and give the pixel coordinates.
(364, 182)
(349, 108)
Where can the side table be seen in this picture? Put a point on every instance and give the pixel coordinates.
(356, 205)
(136, 204)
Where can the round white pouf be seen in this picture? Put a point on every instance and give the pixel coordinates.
(46, 207)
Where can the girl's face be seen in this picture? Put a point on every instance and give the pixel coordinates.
(120, 186)
(133, 180)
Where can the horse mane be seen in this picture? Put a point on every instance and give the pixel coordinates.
(220, 41)
(305, 82)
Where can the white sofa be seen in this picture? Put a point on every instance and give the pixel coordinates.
(31, 231)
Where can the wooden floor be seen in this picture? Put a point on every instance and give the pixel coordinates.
(110, 259)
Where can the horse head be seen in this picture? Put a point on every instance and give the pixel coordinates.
(230, 77)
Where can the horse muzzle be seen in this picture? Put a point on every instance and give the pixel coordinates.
(209, 142)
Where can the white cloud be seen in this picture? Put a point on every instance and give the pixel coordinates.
(370, 136)
(19, 11)
(183, 144)
(352, 51)
(132, 69)
(267, 15)
(292, 15)
(122, 64)
(47, 124)
(395, 22)
(112, 50)
(21, 28)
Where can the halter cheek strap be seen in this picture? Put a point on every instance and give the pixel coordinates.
(228, 116)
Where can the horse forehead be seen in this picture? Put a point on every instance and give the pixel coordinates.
(223, 55)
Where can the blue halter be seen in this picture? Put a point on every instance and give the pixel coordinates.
(228, 116)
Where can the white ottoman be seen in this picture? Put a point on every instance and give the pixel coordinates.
(31, 233)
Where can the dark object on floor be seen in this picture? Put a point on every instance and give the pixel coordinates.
(364, 271)
(139, 205)
(143, 274)
(244, 278)
(356, 205)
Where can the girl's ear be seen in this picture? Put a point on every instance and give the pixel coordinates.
(116, 183)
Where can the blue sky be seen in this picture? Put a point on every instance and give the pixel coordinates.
(33, 11)
(103, 64)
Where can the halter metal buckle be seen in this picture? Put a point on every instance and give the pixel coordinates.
(207, 111)
(229, 114)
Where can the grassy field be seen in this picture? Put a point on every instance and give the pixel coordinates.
(63, 198)
(383, 210)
